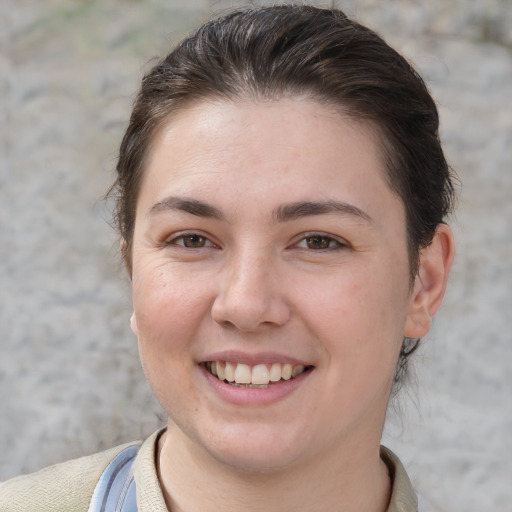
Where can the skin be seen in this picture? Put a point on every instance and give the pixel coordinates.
(251, 284)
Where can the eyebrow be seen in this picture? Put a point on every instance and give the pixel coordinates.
(307, 208)
(284, 213)
(188, 205)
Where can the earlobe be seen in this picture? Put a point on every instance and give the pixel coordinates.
(430, 283)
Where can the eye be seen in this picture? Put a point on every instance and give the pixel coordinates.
(320, 242)
(190, 241)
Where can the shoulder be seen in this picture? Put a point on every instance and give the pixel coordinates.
(63, 487)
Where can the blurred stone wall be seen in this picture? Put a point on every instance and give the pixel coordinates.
(70, 381)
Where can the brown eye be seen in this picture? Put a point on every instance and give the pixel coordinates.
(193, 241)
(320, 242)
(190, 241)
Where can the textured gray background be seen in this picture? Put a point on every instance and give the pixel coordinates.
(70, 381)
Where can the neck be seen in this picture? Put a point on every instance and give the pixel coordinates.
(354, 480)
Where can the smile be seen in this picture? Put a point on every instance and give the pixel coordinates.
(260, 375)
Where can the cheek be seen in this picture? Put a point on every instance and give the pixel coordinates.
(164, 295)
(168, 312)
(169, 309)
(357, 319)
(360, 316)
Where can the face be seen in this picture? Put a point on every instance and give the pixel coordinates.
(270, 281)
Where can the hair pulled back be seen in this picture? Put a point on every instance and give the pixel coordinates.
(265, 54)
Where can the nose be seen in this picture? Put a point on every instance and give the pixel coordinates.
(250, 296)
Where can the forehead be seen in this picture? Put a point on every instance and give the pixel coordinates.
(289, 146)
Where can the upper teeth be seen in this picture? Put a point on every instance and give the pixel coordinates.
(260, 374)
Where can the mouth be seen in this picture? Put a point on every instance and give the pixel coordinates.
(256, 376)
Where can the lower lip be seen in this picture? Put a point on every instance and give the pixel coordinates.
(255, 396)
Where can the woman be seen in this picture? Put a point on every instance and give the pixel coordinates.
(281, 198)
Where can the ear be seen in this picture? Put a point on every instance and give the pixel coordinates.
(430, 283)
(133, 324)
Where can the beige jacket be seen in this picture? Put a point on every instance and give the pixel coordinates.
(68, 487)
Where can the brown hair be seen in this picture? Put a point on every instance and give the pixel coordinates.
(269, 53)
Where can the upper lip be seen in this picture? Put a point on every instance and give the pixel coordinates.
(251, 359)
